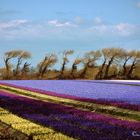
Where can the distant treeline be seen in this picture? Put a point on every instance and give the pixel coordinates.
(107, 63)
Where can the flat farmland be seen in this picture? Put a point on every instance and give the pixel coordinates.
(68, 109)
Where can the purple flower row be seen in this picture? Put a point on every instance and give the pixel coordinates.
(92, 90)
(116, 103)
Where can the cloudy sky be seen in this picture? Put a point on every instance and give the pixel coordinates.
(42, 26)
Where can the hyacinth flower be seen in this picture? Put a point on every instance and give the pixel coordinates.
(107, 91)
(49, 109)
(120, 104)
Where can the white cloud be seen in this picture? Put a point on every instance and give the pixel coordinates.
(125, 29)
(55, 29)
(12, 24)
(57, 23)
(138, 5)
(98, 20)
(16, 29)
(78, 20)
(122, 29)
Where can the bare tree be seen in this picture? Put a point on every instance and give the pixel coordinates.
(21, 56)
(111, 55)
(124, 60)
(65, 59)
(49, 61)
(25, 69)
(8, 56)
(89, 61)
(100, 72)
(135, 60)
(74, 66)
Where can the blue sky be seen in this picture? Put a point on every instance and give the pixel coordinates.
(43, 26)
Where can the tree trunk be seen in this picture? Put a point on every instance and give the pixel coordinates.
(17, 66)
(100, 73)
(108, 66)
(131, 69)
(72, 70)
(41, 68)
(124, 67)
(44, 70)
(7, 67)
(63, 68)
(82, 75)
(25, 69)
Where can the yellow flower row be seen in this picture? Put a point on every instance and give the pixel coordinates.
(27, 127)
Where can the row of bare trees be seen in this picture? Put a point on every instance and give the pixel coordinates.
(107, 63)
(20, 56)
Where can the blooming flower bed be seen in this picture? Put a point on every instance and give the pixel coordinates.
(42, 114)
(86, 89)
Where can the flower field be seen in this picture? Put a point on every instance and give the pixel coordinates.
(67, 110)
